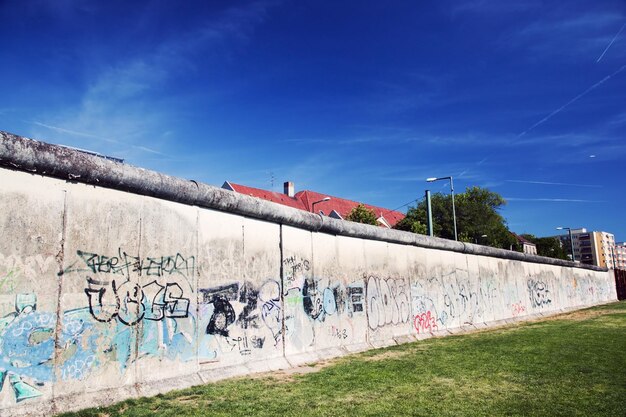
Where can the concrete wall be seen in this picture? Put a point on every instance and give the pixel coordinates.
(108, 292)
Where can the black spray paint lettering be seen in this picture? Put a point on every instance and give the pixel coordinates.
(223, 316)
(131, 309)
(538, 293)
(244, 344)
(338, 333)
(125, 264)
(319, 302)
(130, 303)
(311, 301)
(223, 311)
(355, 297)
(294, 265)
(258, 305)
(248, 297)
(167, 301)
(121, 264)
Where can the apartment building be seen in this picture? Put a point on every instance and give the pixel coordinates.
(591, 248)
(620, 255)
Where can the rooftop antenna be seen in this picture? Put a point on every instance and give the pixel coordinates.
(272, 180)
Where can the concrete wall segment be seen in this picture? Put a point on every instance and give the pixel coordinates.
(102, 234)
(388, 292)
(125, 286)
(36, 157)
(31, 258)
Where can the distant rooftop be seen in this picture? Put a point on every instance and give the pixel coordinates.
(336, 207)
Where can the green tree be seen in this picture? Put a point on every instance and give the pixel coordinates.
(548, 246)
(412, 223)
(362, 214)
(478, 217)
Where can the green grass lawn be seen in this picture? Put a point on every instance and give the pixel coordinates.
(571, 365)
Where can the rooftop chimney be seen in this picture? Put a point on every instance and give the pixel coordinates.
(289, 188)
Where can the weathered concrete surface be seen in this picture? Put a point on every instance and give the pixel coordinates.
(135, 283)
(41, 158)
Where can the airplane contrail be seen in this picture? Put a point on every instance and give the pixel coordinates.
(578, 97)
(479, 163)
(89, 135)
(554, 183)
(554, 200)
(72, 132)
(611, 43)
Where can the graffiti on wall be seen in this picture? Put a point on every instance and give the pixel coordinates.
(127, 265)
(488, 296)
(463, 302)
(7, 281)
(387, 301)
(340, 333)
(27, 340)
(538, 293)
(295, 266)
(448, 299)
(356, 298)
(242, 317)
(162, 305)
(425, 322)
(30, 267)
(115, 294)
(130, 302)
(518, 309)
(100, 333)
(321, 301)
(456, 301)
(138, 308)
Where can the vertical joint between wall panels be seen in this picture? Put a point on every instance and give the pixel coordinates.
(243, 251)
(282, 286)
(197, 285)
(60, 258)
(138, 329)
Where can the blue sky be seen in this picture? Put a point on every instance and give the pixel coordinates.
(358, 99)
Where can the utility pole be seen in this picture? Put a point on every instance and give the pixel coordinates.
(429, 211)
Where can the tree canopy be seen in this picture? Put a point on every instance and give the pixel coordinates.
(362, 214)
(478, 219)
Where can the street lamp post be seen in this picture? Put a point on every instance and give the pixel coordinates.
(452, 193)
(571, 241)
(320, 201)
(429, 212)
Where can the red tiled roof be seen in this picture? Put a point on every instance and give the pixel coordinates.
(304, 200)
(344, 206)
(272, 196)
(522, 239)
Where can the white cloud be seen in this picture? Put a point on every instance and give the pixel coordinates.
(121, 111)
(618, 120)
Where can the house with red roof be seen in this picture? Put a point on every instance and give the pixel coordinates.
(312, 201)
(526, 245)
